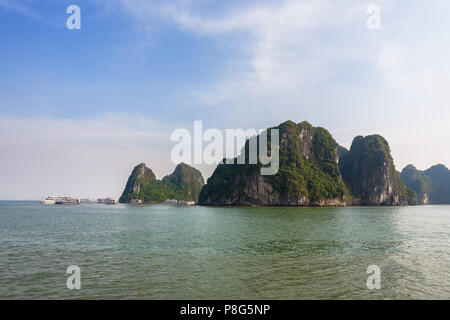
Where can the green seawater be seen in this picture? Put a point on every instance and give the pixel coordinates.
(170, 252)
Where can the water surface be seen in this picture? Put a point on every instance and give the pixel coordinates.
(170, 252)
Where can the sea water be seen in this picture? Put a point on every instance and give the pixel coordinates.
(194, 252)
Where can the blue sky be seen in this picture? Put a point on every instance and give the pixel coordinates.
(89, 104)
(110, 65)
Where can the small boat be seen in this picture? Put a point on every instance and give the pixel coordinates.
(67, 201)
(49, 200)
(107, 201)
(110, 201)
(86, 201)
(186, 202)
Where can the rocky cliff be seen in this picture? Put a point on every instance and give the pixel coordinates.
(419, 182)
(368, 170)
(184, 183)
(313, 171)
(432, 186)
(440, 178)
(308, 174)
(140, 176)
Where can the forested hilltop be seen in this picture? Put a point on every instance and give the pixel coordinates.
(432, 185)
(184, 183)
(369, 171)
(308, 174)
(313, 171)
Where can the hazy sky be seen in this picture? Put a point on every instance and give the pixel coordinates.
(80, 108)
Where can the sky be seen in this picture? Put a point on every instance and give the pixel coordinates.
(80, 108)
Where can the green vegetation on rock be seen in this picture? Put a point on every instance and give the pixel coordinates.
(184, 183)
(419, 182)
(308, 173)
(368, 169)
(440, 177)
(432, 185)
(342, 151)
(313, 171)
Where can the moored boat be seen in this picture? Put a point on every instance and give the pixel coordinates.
(111, 201)
(86, 201)
(186, 202)
(67, 201)
(49, 200)
(170, 201)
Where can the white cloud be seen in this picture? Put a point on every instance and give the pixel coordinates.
(283, 47)
(281, 42)
(16, 6)
(309, 60)
(316, 60)
(26, 10)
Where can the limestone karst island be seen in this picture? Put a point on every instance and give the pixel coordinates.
(314, 171)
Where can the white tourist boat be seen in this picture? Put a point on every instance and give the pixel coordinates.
(86, 201)
(67, 201)
(170, 201)
(111, 201)
(107, 201)
(186, 203)
(49, 200)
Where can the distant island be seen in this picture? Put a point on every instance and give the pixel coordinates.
(432, 185)
(313, 171)
(183, 185)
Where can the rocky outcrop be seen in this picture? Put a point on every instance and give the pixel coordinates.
(140, 176)
(368, 170)
(342, 151)
(313, 171)
(432, 186)
(241, 187)
(308, 174)
(184, 183)
(419, 182)
(440, 181)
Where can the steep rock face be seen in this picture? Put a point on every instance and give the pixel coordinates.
(369, 171)
(141, 175)
(342, 152)
(308, 174)
(184, 183)
(440, 177)
(418, 181)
